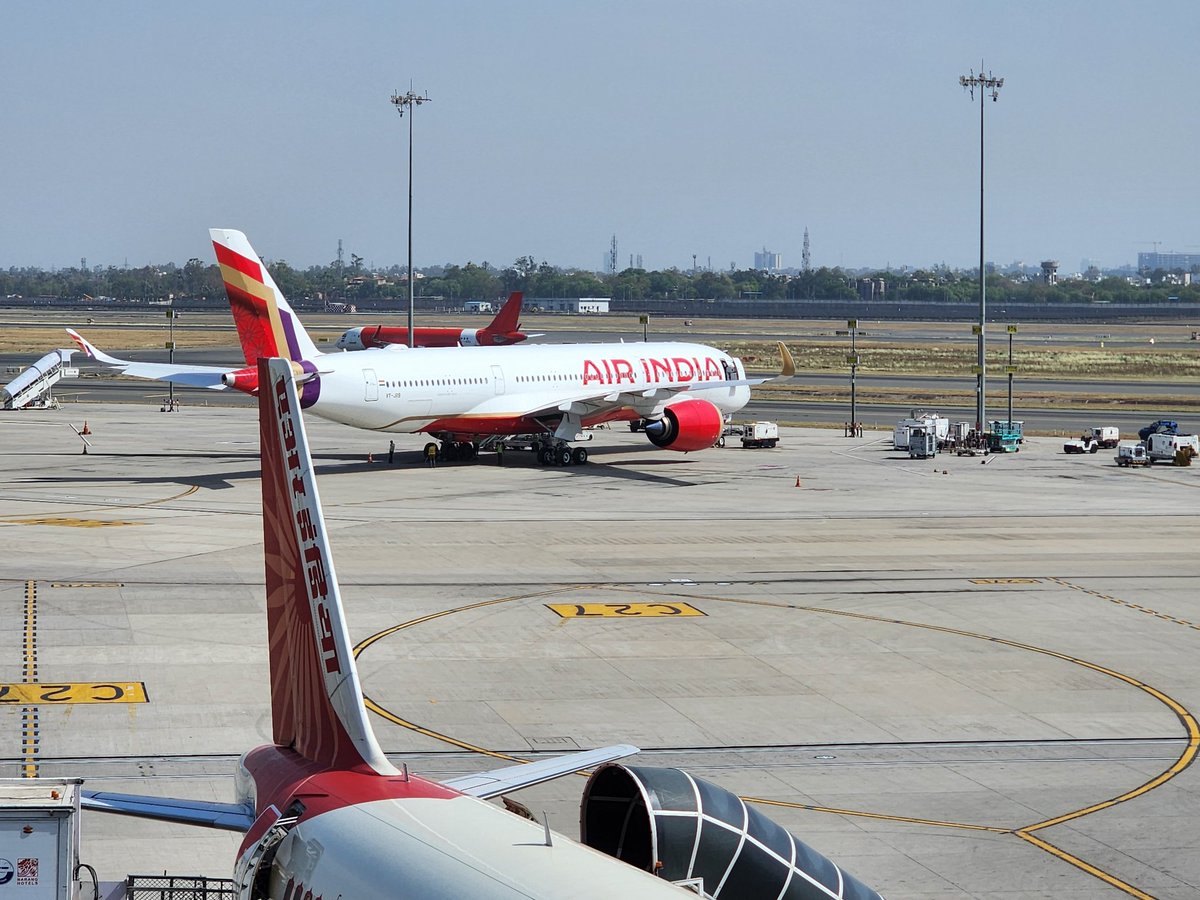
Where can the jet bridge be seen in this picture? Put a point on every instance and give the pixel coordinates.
(33, 387)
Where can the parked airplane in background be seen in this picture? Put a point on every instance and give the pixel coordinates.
(504, 329)
(682, 392)
(326, 814)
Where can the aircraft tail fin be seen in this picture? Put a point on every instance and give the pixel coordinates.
(509, 317)
(316, 698)
(267, 325)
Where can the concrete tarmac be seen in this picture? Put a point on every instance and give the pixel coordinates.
(956, 677)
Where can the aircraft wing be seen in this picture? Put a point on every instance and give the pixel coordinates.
(195, 376)
(230, 816)
(486, 785)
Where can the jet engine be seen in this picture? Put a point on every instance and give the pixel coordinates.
(690, 425)
(682, 828)
(245, 380)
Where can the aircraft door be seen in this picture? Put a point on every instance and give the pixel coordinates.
(498, 379)
(370, 384)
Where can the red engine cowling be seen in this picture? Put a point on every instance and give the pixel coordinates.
(686, 426)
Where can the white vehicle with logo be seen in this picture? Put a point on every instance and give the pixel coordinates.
(1166, 447)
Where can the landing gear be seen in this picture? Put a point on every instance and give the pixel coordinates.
(561, 454)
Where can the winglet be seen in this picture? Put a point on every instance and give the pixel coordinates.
(789, 365)
(316, 699)
(87, 347)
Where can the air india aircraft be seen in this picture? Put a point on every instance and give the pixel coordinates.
(505, 328)
(682, 392)
(325, 814)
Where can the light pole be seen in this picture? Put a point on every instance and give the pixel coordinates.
(853, 360)
(401, 102)
(1012, 329)
(986, 85)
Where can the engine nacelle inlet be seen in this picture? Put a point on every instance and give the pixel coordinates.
(680, 827)
(686, 426)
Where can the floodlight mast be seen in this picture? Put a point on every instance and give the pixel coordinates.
(402, 102)
(986, 85)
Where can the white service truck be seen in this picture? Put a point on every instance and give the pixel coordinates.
(760, 434)
(1166, 447)
(1132, 453)
(938, 426)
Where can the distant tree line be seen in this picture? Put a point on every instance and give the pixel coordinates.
(453, 284)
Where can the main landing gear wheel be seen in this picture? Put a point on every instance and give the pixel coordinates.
(563, 455)
(579, 456)
(546, 456)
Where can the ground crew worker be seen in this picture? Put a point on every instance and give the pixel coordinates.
(431, 455)
(500, 454)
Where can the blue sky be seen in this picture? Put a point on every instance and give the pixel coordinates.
(682, 126)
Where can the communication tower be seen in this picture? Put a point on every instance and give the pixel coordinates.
(806, 256)
(612, 257)
(340, 260)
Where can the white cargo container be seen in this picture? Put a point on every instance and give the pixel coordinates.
(1163, 447)
(39, 837)
(938, 426)
(1106, 436)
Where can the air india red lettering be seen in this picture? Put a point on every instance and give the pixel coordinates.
(591, 373)
(684, 370)
(712, 371)
(622, 371)
(661, 369)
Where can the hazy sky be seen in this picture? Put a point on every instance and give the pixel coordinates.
(682, 126)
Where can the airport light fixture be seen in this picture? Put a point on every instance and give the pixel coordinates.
(402, 102)
(988, 86)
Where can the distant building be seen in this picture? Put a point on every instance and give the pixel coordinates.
(768, 260)
(1168, 262)
(1050, 271)
(871, 288)
(569, 304)
(477, 306)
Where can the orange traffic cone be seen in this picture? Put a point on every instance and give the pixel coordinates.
(797, 481)
(85, 430)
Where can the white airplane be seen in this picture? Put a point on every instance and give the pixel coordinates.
(325, 814)
(681, 391)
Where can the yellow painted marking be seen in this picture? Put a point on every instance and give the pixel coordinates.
(72, 522)
(87, 584)
(871, 815)
(623, 610)
(1127, 604)
(1006, 581)
(412, 726)
(30, 719)
(1080, 864)
(37, 693)
(1186, 718)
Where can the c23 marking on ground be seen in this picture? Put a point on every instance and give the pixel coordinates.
(39, 694)
(624, 610)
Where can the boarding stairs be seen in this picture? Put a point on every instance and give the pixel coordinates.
(33, 386)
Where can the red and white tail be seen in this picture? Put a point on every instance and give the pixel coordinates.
(316, 699)
(266, 324)
(509, 317)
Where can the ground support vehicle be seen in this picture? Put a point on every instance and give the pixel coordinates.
(922, 443)
(1162, 426)
(1131, 454)
(760, 434)
(1085, 444)
(1003, 442)
(1004, 427)
(1174, 448)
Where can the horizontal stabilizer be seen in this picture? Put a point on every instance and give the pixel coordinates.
(230, 816)
(486, 785)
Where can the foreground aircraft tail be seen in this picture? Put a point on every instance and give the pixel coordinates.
(316, 701)
(267, 326)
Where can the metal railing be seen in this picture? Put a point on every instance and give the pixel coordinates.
(179, 887)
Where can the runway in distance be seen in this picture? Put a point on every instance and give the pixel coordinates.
(326, 814)
(681, 391)
(505, 328)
